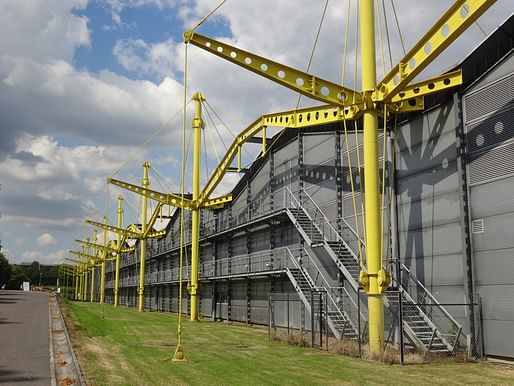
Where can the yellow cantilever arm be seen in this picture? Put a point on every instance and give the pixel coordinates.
(299, 81)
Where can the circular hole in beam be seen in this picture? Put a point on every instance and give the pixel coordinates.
(325, 91)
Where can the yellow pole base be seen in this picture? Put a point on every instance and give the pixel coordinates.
(179, 354)
(376, 323)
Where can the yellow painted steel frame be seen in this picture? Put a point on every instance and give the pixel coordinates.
(142, 244)
(117, 272)
(393, 91)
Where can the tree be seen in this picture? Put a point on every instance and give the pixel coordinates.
(18, 276)
(5, 270)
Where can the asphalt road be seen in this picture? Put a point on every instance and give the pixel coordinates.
(24, 338)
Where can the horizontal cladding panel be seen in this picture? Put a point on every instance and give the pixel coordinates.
(284, 154)
(440, 120)
(431, 211)
(498, 301)
(498, 231)
(435, 156)
(439, 240)
(428, 183)
(499, 339)
(492, 131)
(439, 270)
(489, 98)
(494, 267)
(493, 198)
(491, 164)
(318, 149)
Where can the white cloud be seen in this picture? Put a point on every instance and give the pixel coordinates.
(55, 257)
(46, 239)
(146, 58)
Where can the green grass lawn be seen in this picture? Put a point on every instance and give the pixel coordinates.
(132, 348)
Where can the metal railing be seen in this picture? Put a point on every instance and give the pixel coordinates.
(338, 298)
(442, 321)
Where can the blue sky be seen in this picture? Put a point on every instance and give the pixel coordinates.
(84, 83)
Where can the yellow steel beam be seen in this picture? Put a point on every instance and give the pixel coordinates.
(291, 119)
(119, 243)
(165, 198)
(449, 27)
(217, 202)
(153, 218)
(299, 81)
(124, 232)
(429, 86)
(90, 244)
(142, 244)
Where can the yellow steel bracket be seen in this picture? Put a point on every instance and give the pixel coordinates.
(445, 31)
(217, 202)
(93, 245)
(429, 86)
(164, 198)
(383, 281)
(124, 232)
(299, 81)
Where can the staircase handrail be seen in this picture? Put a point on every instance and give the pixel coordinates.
(326, 285)
(433, 300)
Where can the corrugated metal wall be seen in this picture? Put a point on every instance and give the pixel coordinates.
(489, 122)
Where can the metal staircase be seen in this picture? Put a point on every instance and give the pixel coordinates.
(338, 320)
(426, 323)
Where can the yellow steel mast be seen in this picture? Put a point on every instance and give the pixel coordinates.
(142, 243)
(197, 126)
(104, 258)
(118, 247)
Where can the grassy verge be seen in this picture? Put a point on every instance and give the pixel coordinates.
(131, 348)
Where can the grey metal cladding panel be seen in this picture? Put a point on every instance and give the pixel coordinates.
(318, 148)
(285, 153)
(498, 233)
(260, 182)
(491, 164)
(441, 271)
(491, 131)
(428, 183)
(430, 211)
(498, 302)
(439, 240)
(488, 99)
(433, 123)
(239, 246)
(432, 155)
(492, 198)
(494, 267)
(499, 339)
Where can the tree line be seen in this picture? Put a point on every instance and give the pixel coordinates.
(13, 275)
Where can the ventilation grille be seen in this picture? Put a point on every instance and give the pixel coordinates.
(492, 131)
(489, 99)
(491, 164)
(477, 226)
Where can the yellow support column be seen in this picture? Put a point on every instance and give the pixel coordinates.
(144, 208)
(117, 273)
(95, 239)
(195, 213)
(102, 273)
(372, 280)
(77, 280)
(85, 280)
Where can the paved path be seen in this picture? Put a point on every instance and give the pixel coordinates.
(24, 338)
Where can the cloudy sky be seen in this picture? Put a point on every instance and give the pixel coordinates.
(84, 83)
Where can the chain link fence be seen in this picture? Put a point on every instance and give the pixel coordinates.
(414, 332)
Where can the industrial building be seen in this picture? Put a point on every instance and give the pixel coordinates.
(292, 225)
